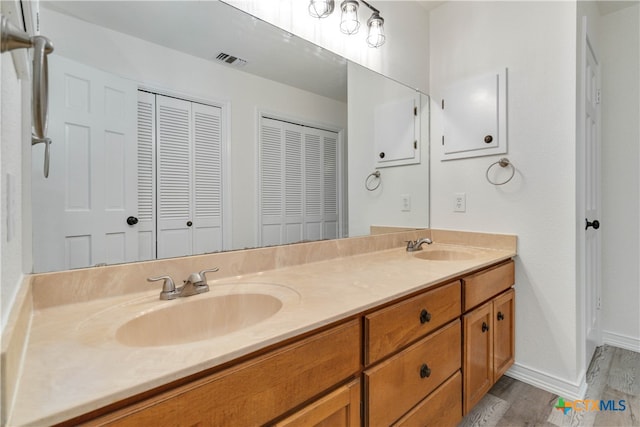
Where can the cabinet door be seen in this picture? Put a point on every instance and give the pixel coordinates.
(478, 354)
(340, 408)
(503, 334)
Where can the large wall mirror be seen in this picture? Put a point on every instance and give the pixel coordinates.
(185, 127)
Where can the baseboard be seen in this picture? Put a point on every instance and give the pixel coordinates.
(550, 383)
(621, 341)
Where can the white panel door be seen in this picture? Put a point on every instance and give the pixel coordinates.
(593, 275)
(80, 213)
(174, 177)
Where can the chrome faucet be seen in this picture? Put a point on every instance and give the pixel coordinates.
(417, 245)
(195, 284)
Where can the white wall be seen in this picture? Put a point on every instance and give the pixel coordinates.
(537, 42)
(404, 56)
(14, 134)
(619, 53)
(384, 205)
(170, 70)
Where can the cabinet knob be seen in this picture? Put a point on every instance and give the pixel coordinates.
(132, 220)
(500, 316)
(425, 316)
(189, 223)
(425, 372)
(485, 327)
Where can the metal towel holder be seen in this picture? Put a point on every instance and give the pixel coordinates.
(503, 162)
(14, 38)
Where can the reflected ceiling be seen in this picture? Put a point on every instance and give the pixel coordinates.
(207, 28)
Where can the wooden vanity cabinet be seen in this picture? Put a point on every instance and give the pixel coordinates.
(340, 408)
(412, 349)
(262, 389)
(424, 360)
(488, 330)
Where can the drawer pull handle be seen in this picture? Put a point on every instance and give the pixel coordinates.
(485, 327)
(425, 372)
(500, 316)
(425, 316)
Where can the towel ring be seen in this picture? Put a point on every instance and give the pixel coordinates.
(376, 175)
(503, 162)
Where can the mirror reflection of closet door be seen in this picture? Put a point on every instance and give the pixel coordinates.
(188, 177)
(80, 212)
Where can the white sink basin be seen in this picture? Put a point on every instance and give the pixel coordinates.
(148, 322)
(445, 255)
(198, 319)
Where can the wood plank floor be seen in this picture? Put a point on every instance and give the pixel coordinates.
(614, 374)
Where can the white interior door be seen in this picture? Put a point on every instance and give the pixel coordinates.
(592, 260)
(80, 213)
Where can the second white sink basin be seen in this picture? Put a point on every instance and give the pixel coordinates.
(445, 255)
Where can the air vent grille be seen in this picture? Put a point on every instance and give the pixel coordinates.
(231, 60)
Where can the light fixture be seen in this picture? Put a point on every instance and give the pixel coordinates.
(320, 8)
(349, 23)
(375, 36)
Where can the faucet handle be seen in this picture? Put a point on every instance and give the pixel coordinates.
(209, 270)
(410, 244)
(168, 287)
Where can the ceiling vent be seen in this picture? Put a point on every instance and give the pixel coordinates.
(231, 60)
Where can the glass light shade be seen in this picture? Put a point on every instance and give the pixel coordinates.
(375, 37)
(320, 8)
(349, 23)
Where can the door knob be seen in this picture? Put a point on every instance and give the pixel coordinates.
(132, 220)
(189, 223)
(595, 224)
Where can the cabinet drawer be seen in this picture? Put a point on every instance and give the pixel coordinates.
(441, 408)
(392, 328)
(486, 284)
(400, 382)
(256, 391)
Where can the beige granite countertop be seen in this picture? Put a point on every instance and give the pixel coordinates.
(74, 364)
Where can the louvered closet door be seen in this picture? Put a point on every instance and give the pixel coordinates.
(207, 144)
(174, 177)
(330, 185)
(146, 176)
(271, 182)
(299, 183)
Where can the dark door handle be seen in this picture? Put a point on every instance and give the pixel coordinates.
(189, 223)
(595, 224)
(132, 220)
(485, 327)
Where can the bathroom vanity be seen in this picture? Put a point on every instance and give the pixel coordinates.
(384, 337)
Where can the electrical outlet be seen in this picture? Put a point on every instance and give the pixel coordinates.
(459, 202)
(406, 203)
